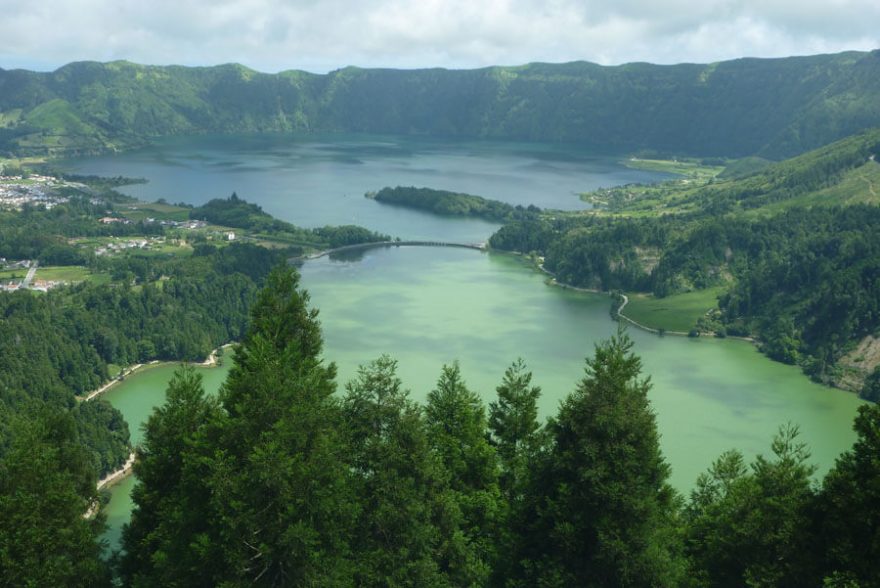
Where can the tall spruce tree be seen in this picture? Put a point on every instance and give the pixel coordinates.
(518, 438)
(516, 432)
(262, 478)
(281, 482)
(458, 431)
(399, 480)
(605, 514)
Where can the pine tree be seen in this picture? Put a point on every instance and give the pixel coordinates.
(753, 527)
(458, 431)
(255, 489)
(518, 439)
(280, 480)
(169, 540)
(400, 482)
(516, 432)
(605, 512)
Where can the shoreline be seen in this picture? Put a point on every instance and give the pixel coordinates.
(210, 361)
(213, 357)
(619, 314)
(618, 311)
(113, 381)
(120, 474)
(127, 468)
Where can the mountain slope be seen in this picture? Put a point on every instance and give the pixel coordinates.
(771, 107)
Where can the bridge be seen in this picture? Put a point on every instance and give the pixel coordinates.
(377, 244)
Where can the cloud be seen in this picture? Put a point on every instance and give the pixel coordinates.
(272, 35)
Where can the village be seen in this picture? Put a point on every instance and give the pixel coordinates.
(27, 274)
(17, 191)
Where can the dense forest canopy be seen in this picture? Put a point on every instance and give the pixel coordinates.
(770, 107)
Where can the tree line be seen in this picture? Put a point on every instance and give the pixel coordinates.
(56, 346)
(238, 213)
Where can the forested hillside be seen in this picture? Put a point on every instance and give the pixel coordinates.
(794, 247)
(771, 107)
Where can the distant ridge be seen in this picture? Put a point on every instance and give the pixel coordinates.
(773, 108)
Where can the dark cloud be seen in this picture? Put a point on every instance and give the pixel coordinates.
(272, 35)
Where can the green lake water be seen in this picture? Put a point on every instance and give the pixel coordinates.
(427, 306)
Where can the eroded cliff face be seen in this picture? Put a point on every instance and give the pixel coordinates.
(858, 364)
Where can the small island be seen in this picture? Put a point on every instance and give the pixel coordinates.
(452, 203)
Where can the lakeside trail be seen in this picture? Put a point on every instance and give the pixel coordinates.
(109, 480)
(211, 360)
(620, 315)
(122, 375)
(119, 474)
(619, 311)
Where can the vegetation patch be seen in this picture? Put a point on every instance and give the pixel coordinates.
(691, 168)
(678, 312)
(451, 203)
(72, 273)
(155, 210)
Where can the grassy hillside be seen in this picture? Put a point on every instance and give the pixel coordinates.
(844, 172)
(769, 107)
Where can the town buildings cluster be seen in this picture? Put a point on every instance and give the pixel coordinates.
(17, 191)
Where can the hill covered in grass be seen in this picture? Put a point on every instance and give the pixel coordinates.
(767, 107)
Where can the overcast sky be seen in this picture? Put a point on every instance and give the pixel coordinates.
(321, 35)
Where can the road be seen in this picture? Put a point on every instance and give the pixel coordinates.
(30, 275)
